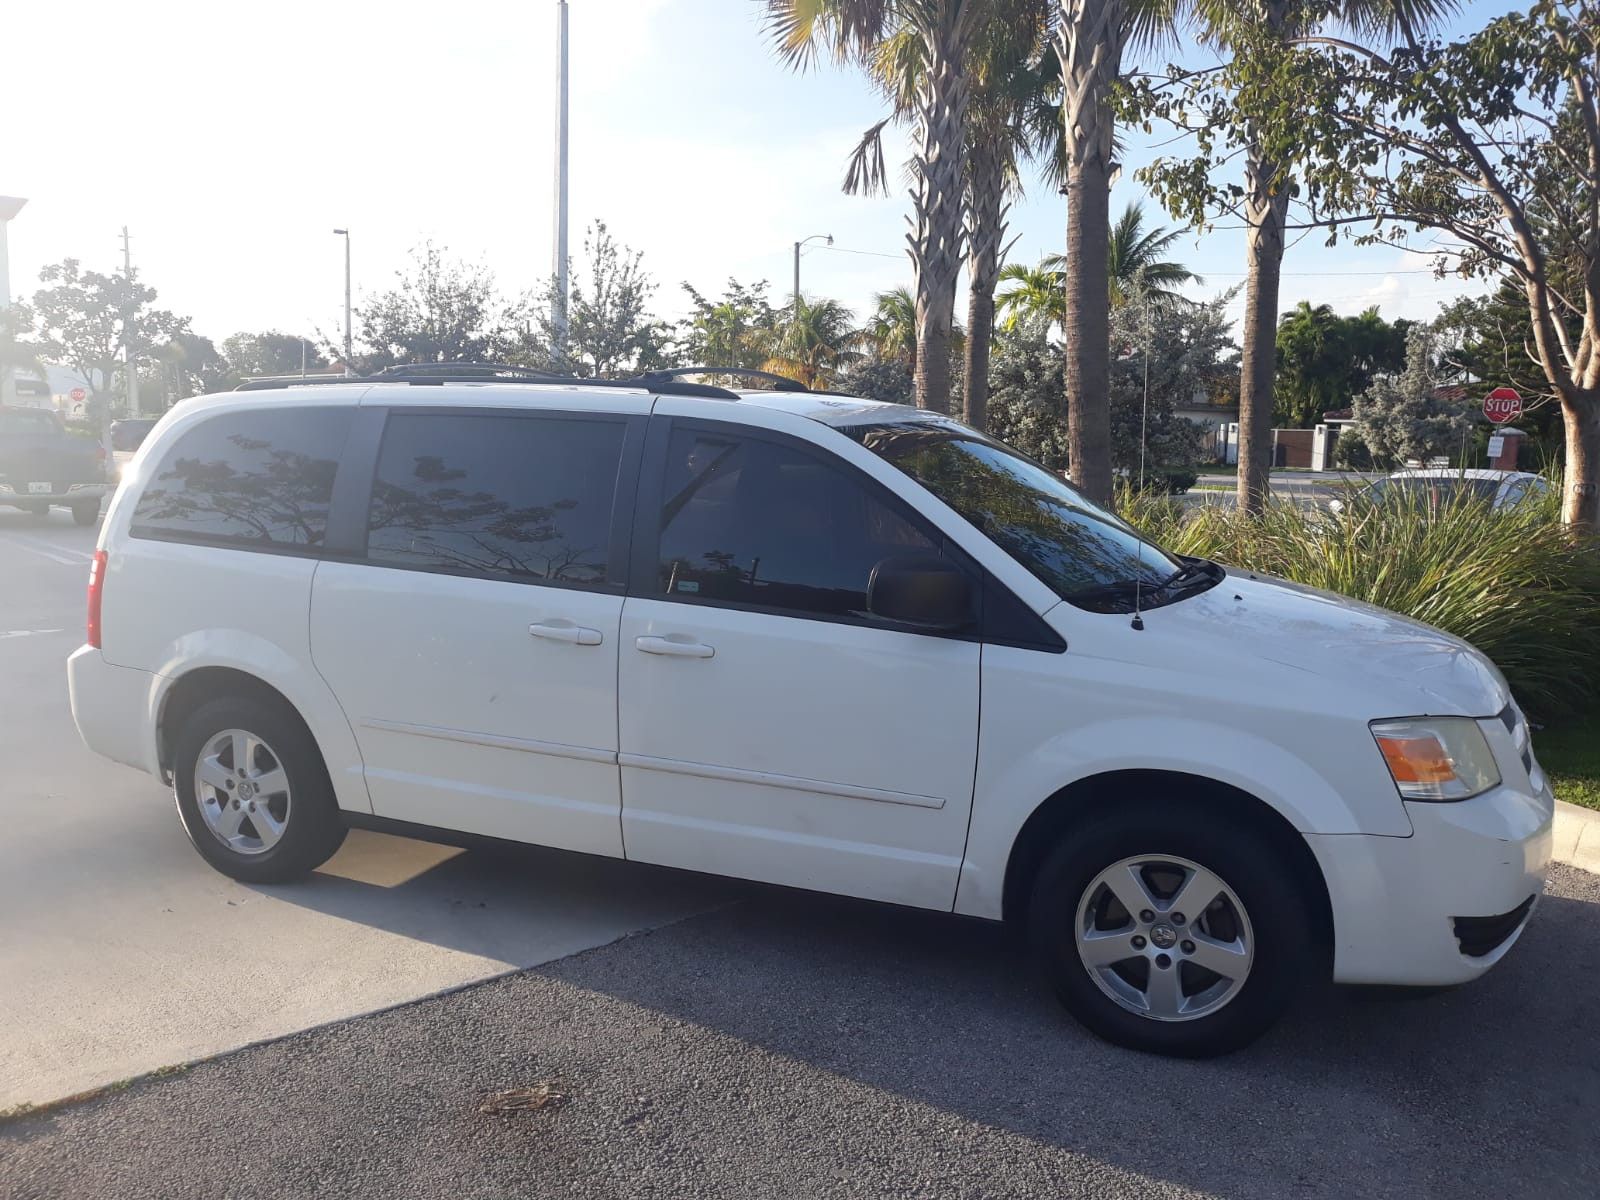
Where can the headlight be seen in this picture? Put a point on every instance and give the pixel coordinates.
(1437, 758)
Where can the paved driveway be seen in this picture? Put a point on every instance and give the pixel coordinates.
(121, 951)
(798, 1046)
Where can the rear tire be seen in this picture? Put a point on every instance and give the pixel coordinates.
(1143, 979)
(38, 511)
(86, 512)
(252, 791)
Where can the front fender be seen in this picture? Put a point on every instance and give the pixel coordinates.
(1014, 780)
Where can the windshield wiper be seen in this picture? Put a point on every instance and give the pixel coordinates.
(1200, 568)
(1116, 589)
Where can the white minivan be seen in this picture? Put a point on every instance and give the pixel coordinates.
(811, 640)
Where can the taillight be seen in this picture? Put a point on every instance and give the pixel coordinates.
(97, 591)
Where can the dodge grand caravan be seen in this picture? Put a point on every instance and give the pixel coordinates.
(812, 640)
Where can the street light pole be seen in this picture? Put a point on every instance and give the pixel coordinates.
(797, 246)
(558, 267)
(10, 206)
(129, 364)
(345, 233)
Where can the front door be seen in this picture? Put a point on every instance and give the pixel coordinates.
(770, 728)
(474, 643)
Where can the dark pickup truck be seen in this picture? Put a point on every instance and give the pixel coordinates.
(42, 464)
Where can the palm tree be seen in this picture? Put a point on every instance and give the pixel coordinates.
(813, 343)
(1037, 295)
(891, 330)
(1092, 36)
(1134, 265)
(1014, 78)
(938, 33)
(1266, 209)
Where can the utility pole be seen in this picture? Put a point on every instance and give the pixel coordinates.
(130, 365)
(797, 246)
(10, 206)
(345, 233)
(558, 265)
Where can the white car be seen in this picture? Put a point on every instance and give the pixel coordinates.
(812, 640)
(1443, 485)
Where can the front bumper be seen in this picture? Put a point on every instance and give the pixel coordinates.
(1447, 903)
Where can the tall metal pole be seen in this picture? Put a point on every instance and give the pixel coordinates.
(797, 278)
(130, 365)
(558, 265)
(345, 233)
(10, 206)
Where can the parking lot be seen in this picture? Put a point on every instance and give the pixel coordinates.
(746, 1042)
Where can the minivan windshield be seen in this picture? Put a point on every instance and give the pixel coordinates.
(1081, 552)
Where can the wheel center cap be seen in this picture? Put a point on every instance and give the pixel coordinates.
(1163, 937)
(246, 790)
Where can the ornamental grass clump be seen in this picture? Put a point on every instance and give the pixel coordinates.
(1515, 583)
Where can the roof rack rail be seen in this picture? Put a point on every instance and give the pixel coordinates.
(439, 374)
(780, 383)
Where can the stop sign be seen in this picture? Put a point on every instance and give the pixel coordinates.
(77, 395)
(1502, 405)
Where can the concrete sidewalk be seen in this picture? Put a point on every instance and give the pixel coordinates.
(1577, 834)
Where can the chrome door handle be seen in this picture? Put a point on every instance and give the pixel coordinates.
(566, 631)
(677, 645)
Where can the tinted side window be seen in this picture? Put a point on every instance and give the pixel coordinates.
(260, 478)
(755, 522)
(516, 497)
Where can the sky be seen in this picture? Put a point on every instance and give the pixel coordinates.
(232, 139)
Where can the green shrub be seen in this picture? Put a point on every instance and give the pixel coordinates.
(1516, 584)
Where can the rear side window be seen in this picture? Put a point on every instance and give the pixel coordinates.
(253, 479)
(754, 522)
(513, 497)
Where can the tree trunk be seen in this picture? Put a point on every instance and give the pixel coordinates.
(1580, 495)
(935, 242)
(1092, 36)
(1266, 210)
(1258, 360)
(986, 230)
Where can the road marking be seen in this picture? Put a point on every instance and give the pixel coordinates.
(11, 633)
(56, 554)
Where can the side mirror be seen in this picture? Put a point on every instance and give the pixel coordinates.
(923, 590)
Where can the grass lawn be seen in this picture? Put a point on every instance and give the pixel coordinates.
(1570, 755)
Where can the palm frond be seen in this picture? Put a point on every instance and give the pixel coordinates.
(865, 173)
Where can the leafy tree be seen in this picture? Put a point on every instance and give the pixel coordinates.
(1403, 417)
(936, 35)
(18, 351)
(814, 342)
(1025, 393)
(1487, 341)
(1494, 141)
(1244, 110)
(442, 310)
(1163, 355)
(84, 320)
(190, 366)
(1325, 359)
(877, 379)
(609, 330)
(270, 353)
(735, 330)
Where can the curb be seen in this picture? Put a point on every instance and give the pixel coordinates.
(1577, 837)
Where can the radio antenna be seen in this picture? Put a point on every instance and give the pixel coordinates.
(1144, 421)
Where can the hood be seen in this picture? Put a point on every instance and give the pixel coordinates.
(1410, 669)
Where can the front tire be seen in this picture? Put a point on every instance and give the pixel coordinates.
(1171, 929)
(252, 791)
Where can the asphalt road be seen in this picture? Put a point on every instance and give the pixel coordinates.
(800, 1046)
(121, 951)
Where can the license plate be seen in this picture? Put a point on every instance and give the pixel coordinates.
(38, 488)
